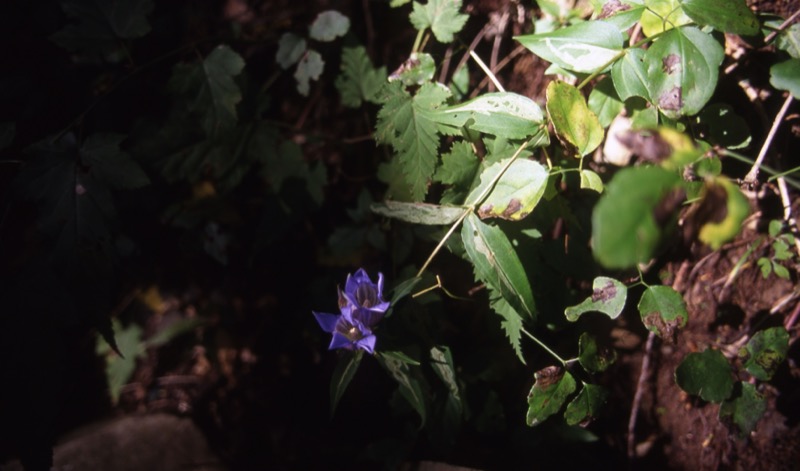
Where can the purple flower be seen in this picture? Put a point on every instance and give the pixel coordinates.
(360, 291)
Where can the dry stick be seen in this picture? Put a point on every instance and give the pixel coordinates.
(448, 55)
(793, 318)
(487, 71)
(787, 211)
(498, 39)
(500, 65)
(752, 175)
(783, 26)
(637, 397)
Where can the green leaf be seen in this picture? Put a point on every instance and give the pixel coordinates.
(401, 356)
(727, 208)
(418, 213)
(515, 194)
(724, 127)
(572, 119)
(765, 352)
(408, 125)
(592, 357)
(732, 16)
(343, 374)
(101, 24)
(458, 166)
(418, 69)
(604, 102)
(309, 68)
(442, 365)
(591, 181)
(789, 39)
(662, 15)
(119, 369)
(291, 48)
(511, 323)
(744, 408)
(441, 16)
(359, 81)
(630, 75)
(503, 114)
(101, 153)
(210, 88)
(550, 391)
(766, 267)
(625, 229)
(398, 3)
(404, 289)
(786, 76)
(682, 68)
(583, 47)
(328, 26)
(663, 310)
(706, 374)
(496, 263)
(608, 296)
(409, 384)
(586, 405)
(623, 15)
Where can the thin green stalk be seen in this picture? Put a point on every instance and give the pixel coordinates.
(418, 41)
(545, 347)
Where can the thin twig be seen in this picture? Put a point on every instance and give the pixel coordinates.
(471, 47)
(500, 65)
(487, 71)
(783, 26)
(637, 397)
(793, 318)
(752, 175)
(787, 211)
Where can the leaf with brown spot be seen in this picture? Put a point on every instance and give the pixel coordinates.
(663, 310)
(549, 393)
(608, 296)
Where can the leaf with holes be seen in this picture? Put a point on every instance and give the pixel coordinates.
(549, 393)
(572, 119)
(663, 310)
(706, 374)
(765, 352)
(502, 114)
(515, 194)
(584, 47)
(608, 296)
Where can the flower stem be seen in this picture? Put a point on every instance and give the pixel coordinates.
(545, 347)
(418, 41)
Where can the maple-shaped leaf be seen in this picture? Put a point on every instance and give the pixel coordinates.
(100, 24)
(441, 16)
(107, 162)
(210, 89)
(360, 81)
(408, 124)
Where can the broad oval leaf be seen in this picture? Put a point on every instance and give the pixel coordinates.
(608, 296)
(496, 263)
(591, 181)
(765, 352)
(726, 208)
(663, 310)
(604, 101)
(572, 119)
(706, 374)
(328, 26)
(585, 47)
(744, 409)
(786, 76)
(729, 16)
(592, 357)
(630, 75)
(662, 15)
(721, 126)
(343, 374)
(549, 393)
(418, 213)
(586, 405)
(682, 69)
(515, 194)
(503, 114)
(627, 222)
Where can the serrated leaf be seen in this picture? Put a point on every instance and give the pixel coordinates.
(765, 352)
(663, 310)
(418, 213)
(101, 24)
(309, 68)
(418, 69)
(515, 194)
(744, 408)
(583, 47)
(592, 357)
(608, 296)
(441, 16)
(786, 76)
(290, 49)
(211, 89)
(359, 81)
(119, 368)
(628, 221)
(458, 166)
(682, 69)
(328, 26)
(726, 208)
(346, 367)
(591, 181)
(442, 365)
(630, 75)
(503, 114)
(662, 15)
(107, 162)
(496, 263)
(586, 405)
(572, 119)
(730, 16)
(511, 323)
(409, 384)
(549, 393)
(706, 374)
(407, 123)
(604, 102)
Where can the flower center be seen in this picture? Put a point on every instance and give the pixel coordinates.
(366, 296)
(349, 330)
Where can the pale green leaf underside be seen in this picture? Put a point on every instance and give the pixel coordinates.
(584, 47)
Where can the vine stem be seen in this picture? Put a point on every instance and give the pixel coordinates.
(545, 347)
(417, 41)
(752, 175)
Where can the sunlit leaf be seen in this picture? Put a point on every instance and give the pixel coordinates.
(586, 405)
(765, 352)
(604, 102)
(503, 114)
(359, 81)
(549, 393)
(592, 357)
(730, 16)
(346, 367)
(328, 26)
(441, 16)
(789, 39)
(572, 119)
(623, 15)
(630, 75)
(663, 310)
(583, 47)
(706, 374)
(662, 15)
(418, 213)
(608, 296)
(722, 208)
(786, 76)
(744, 408)
(591, 181)
(497, 263)
(515, 194)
